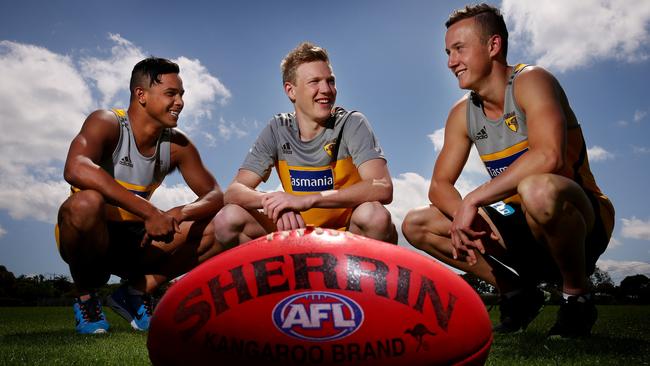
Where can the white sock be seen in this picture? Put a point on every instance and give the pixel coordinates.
(584, 297)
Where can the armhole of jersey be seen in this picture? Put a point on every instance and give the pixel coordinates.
(120, 119)
(165, 149)
(517, 69)
(468, 114)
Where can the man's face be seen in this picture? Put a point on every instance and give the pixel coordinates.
(314, 90)
(164, 100)
(468, 56)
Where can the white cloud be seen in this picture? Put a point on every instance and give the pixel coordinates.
(201, 91)
(229, 129)
(3, 232)
(44, 102)
(618, 270)
(169, 197)
(636, 228)
(614, 243)
(639, 115)
(47, 96)
(597, 153)
(474, 163)
(111, 75)
(567, 34)
(410, 190)
(641, 149)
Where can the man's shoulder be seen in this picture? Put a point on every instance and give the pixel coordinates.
(101, 122)
(528, 74)
(460, 106)
(176, 136)
(106, 115)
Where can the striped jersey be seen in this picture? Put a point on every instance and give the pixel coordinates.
(500, 142)
(139, 174)
(327, 162)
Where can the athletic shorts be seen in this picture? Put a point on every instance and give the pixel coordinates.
(532, 259)
(124, 252)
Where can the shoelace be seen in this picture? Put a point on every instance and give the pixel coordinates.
(147, 302)
(91, 310)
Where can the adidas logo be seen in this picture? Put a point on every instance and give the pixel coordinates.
(286, 148)
(482, 134)
(126, 161)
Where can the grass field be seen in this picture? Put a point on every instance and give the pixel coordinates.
(45, 336)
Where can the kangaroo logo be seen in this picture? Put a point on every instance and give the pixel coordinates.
(418, 332)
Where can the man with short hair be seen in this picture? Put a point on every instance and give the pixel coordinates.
(331, 166)
(542, 212)
(108, 226)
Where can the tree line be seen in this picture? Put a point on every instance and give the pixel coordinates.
(634, 289)
(57, 290)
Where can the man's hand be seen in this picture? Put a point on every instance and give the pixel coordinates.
(468, 232)
(290, 220)
(161, 227)
(275, 204)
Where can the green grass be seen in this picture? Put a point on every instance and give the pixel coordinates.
(45, 336)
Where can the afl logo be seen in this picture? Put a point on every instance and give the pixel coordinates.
(317, 316)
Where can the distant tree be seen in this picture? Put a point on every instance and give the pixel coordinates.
(636, 288)
(602, 282)
(7, 282)
(478, 284)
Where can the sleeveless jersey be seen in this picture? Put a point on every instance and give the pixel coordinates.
(327, 162)
(500, 142)
(140, 174)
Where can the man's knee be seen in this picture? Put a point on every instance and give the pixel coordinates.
(422, 222)
(545, 196)
(230, 221)
(371, 215)
(81, 208)
(413, 225)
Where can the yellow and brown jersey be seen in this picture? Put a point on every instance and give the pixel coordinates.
(327, 162)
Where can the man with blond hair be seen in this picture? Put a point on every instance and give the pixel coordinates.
(332, 169)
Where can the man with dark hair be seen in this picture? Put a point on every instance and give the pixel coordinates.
(332, 168)
(542, 212)
(108, 226)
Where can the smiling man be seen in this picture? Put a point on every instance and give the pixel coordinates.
(108, 226)
(542, 212)
(331, 166)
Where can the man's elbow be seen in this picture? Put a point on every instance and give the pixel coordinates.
(554, 163)
(71, 175)
(386, 193)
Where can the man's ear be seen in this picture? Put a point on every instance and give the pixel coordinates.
(494, 43)
(140, 95)
(289, 90)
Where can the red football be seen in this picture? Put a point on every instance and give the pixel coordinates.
(320, 297)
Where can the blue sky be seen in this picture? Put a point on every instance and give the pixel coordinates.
(60, 60)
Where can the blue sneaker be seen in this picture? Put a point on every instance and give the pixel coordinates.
(89, 316)
(136, 309)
